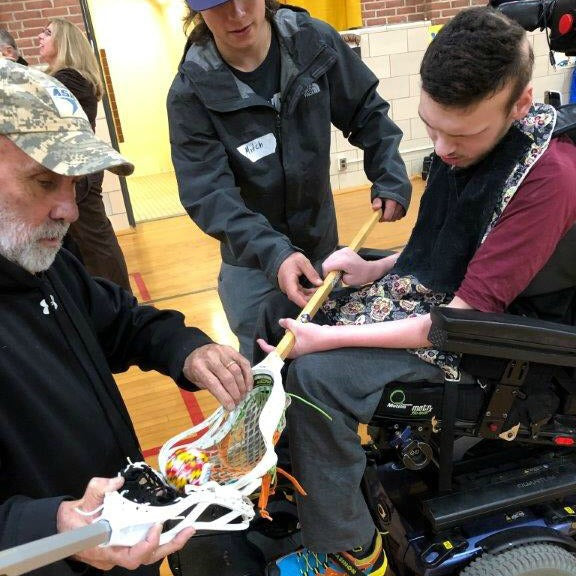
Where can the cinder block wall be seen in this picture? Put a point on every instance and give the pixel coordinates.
(394, 53)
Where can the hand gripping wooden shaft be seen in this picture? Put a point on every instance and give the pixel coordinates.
(332, 278)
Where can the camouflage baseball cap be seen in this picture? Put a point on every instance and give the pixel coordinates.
(42, 117)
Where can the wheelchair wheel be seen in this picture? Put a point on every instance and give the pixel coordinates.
(528, 560)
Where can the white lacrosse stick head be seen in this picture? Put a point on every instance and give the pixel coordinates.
(146, 499)
(239, 444)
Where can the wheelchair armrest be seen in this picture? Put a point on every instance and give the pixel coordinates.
(372, 253)
(503, 336)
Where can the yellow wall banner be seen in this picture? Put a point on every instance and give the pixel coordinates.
(342, 14)
(433, 30)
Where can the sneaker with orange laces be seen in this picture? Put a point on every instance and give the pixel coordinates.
(360, 561)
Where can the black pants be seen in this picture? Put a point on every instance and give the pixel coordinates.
(93, 236)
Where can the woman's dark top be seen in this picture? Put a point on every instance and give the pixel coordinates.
(82, 89)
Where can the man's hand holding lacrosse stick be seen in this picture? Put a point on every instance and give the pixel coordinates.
(221, 370)
(391, 210)
(290, 273)
(147, 551)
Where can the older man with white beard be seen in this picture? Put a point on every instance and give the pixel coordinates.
(65, 432)
(33, 247)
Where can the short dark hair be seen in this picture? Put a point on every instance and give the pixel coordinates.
(200, 33)
(474, 56)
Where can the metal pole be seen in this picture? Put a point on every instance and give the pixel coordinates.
(26, 557)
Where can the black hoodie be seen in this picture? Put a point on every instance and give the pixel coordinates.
(62, 418)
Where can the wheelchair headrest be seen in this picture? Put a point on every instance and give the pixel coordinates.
(566, 121)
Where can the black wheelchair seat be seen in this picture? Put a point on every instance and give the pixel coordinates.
(518, 384)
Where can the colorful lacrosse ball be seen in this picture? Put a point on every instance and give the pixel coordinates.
(187, 466)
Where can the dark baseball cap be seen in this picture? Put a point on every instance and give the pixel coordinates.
(200, 5)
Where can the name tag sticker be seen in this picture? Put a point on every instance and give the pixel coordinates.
(259, 147)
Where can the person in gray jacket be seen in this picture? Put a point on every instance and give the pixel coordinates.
(250, 113)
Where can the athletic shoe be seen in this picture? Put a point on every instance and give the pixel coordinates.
(360, 561)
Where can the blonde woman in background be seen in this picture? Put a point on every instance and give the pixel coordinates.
(70, 59)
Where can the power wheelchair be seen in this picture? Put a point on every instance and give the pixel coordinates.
(475, 477)
(478, 477)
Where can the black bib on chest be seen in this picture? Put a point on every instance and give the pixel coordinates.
(455, 212)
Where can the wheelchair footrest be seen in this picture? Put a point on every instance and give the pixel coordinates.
(554, 477)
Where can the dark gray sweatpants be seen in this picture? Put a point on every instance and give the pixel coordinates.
(327, 457)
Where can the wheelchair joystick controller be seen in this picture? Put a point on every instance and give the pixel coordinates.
(415, 453)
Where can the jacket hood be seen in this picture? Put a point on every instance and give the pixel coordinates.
(287, 21)
(285, 8)
(219, 89)
(14, 278)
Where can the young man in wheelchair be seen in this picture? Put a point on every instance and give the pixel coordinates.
(500, 197)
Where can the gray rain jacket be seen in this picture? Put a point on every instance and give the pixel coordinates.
(257, 179)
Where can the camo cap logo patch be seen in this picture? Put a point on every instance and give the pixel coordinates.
(64, 100)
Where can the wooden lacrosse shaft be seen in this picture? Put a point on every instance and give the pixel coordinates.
(332, 278)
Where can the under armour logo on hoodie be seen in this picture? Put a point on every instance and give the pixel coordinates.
(46, 306)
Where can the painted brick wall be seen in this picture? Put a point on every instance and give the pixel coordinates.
(25, 19)
(379, 12)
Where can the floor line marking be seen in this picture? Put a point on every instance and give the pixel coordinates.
(181, 295)
(141, 285)
(192, 405)
(194, 411)
(151, 452)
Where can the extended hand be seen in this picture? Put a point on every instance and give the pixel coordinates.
(221, 370)
(289, 273)
(309, 337)
(355, 270)
(148, 551)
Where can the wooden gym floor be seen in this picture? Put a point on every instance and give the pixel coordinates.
(173, 264)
